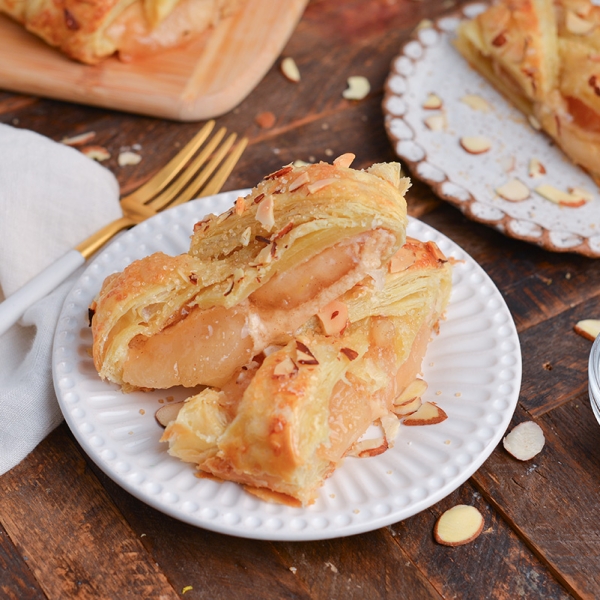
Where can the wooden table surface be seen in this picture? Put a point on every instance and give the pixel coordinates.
(68, 531)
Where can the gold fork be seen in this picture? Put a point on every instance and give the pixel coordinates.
(184, 177)
(177, 182)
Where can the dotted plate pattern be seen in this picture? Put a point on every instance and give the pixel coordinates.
(473, 368)
(429, 63)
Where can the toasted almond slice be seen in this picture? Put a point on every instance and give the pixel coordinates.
(358, 88)
(128, 158)
(79, 140)
(99, 153)
(407, 408)
(581, 192)
(415, 389)
(576, 25)
(432, 102)
(436, 122)
(559, 197)
(290, 69)
(475, 144)
(303, 355)
(299, 181)
(264, 213)
(525, 440)
(319, 185)
(391, 425)
(240, 205)
(508, 163)
(370, 447)
(345, 160)
(401, 261)
(513, 191)
(534, 123)
(536, 168)
(167, 413)
(334, 317)
(459, 525)
(588, 328)
(476, 102)
(429, 413)
(285, 367)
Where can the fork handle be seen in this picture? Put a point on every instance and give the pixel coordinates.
(12, 309)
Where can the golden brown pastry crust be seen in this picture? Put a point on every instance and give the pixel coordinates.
(288, 423)
(545, 58)
(91, 30)
(300, 239)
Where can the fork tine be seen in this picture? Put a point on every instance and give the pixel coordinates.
(167, 195)
(216, 183)
(159, 181)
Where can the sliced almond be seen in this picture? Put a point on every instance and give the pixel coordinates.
(476, 102)
(432, 102)
(582, 193)
(525, 440)
(534, 123)
(319, 185)
(559, 197)
(367, 448)
(459, 525)
(285, 367)
(303, 355)
(588, 328)
(99, 153)
(391, 425)
(240, 205)
(413, 390)
(167, 413)
(407, 408)
(513, 191)
(79, 140)
(345, 160)
(290, 69)
(128, 158)
(436, 122)
(475, 144)
(299, 181)
(429, 413)
(576, 25)
(508, 163)
(264, 213)
(536, 168)
(358, 88)
(334, 317)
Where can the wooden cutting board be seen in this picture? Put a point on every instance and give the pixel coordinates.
(203, 80)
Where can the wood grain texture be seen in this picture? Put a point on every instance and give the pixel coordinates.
(201, 80)
(75, 541)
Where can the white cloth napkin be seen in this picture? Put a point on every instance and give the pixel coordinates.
(51, 198)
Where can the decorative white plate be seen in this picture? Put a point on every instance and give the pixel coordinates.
(429, 63)
(473, 368)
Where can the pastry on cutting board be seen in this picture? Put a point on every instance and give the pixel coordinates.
(544, 57)
(92, 30)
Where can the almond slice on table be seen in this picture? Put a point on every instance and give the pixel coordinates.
(559, 197)
(428, 413)
(432, 102)
(167, 413)
(525, 441)
(475, 144)
(290, 69)
(358, 88)
(459, 525)
(513, 191)
(588, 328)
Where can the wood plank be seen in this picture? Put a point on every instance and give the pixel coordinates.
(203, 79)
(16, 580)
(230, 567)
(511, 569)
(62, 520)
(551, 502)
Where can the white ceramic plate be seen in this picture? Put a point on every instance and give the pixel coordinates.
(473, 368)
(429, 63)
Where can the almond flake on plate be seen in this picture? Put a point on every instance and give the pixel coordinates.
(536, 168)
(436, 122)
(128, 158)
(433, 102)
(559, 197)
(475, 144)
(513, 191)
(428, 413)
(476, 102)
